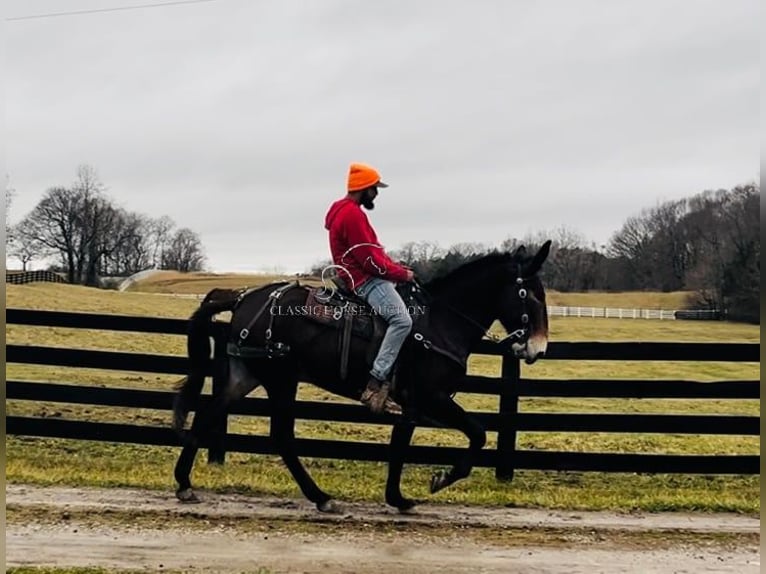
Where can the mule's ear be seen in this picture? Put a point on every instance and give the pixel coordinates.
(538, 260)
(519, 252)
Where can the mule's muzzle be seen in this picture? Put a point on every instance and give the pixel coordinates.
(530, 349)
(529, 359)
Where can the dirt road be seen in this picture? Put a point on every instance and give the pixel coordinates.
(149, 530)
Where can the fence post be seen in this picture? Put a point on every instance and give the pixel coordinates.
(216, 453)
(509, 409)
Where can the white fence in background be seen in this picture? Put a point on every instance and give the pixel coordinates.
(611, 313)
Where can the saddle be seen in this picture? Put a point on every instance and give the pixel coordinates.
(341, 309)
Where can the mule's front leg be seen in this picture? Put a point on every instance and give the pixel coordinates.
(401, 435)
(447, 411)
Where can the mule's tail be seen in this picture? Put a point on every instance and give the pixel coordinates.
(198, 348)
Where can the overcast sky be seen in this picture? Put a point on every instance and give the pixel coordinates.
(488, 119)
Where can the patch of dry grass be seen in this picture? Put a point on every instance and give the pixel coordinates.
(623, 300)
(50, 296)
(201, 283)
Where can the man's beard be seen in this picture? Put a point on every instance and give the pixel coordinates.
(366, 201)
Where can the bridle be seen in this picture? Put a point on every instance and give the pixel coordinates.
(520, 335)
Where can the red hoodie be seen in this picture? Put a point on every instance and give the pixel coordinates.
(355, 246)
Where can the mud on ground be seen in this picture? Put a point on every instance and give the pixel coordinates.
(132, 529)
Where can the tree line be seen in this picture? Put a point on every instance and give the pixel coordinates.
(708, 244)
(91, 237)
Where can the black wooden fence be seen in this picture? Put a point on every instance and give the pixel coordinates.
(509, 421)
(24, 277)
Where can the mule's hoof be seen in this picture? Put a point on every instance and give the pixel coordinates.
(329, 507)
(439, 480)
(187, 496)
(402, 504)
(407, 506)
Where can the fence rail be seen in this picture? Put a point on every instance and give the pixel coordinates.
(23, 277)
(507, 422)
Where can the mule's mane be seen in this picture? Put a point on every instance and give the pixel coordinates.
(470, 270)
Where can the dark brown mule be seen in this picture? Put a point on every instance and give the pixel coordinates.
(459, 309)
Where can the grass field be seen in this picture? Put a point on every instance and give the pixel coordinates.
(48, 461)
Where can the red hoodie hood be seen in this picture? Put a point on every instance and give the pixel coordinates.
(335, 209)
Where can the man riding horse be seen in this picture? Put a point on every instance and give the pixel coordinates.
(366, 270)
(277, 351)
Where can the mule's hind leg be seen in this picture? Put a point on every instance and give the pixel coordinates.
(401, 435)
(282, 398)
(239, 383)
(184, 465)
(448, 412)
(199, 433)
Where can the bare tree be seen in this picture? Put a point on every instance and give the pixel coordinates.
(417, 251)
(26, 247)
(420, 256)
(185, 252)
(564, 268)
(70, 222)
(133, 252)
(9, 193)
(742, 270)
(91, 236)
(709, 243)
(571, 265)
(705, 228)
(98, 222)
(509, 244)
(54, 223)
(668, 250)
(630, 246)
(160, 234)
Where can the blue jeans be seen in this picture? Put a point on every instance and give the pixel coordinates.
(381, 295)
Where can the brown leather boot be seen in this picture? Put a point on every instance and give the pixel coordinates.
(376, 398)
